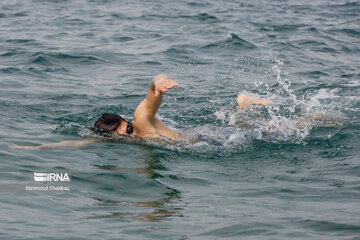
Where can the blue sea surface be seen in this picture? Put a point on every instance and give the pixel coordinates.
(290, 170)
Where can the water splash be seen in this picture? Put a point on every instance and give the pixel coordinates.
(289, 118)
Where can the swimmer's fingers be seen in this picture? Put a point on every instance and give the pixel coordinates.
(172, 83)
(14, 146)
(165, 86)
(169, 84)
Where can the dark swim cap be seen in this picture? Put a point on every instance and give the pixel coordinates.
(108, 122)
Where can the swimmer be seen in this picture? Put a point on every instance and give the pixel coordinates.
(144, 125)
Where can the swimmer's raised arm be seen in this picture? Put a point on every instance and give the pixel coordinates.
(150, 105)
(65, 144)
(145, 122)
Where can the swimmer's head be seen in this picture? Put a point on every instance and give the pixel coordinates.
(112, 123)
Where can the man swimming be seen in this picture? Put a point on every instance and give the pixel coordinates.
(144, 125)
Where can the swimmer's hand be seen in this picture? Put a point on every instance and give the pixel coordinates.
(14, 146)
(161, 84)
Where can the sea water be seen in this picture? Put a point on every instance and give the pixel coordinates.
(264, 173)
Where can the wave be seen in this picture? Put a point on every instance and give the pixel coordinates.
(266, 27)
(25, 41)
(11, 70)
(121, 38)
(201, 17)
(48, 59)
(313, 74)
(347, 5)
(324, 226)
(348, 32)
(184, 54)
(232, 41)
